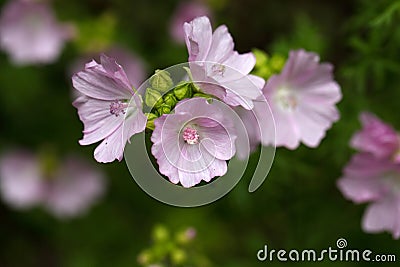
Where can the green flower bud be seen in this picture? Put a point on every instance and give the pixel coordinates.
(183, 90)
(160, 233)
(170, 99)
(150, 120)
(164, 109)
(161, 81)
(152, 98)
(178, 256)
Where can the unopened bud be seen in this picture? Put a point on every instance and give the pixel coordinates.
(164, 109)
(152, 98)
(170, 99)
(160, 233)
(183, 90)
(178, 256)
(161, 81)
(150, 120)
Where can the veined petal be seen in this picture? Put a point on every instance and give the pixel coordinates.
(97, 82)
(221, 45)
(98, 122)
(112, 147)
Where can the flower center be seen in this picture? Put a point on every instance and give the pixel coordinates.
(117, 107)
(286, 99)
(190, 136)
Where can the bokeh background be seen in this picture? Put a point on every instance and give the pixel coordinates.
(298, 206)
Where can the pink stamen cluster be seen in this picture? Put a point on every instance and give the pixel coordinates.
(190, 136)
(117, 107)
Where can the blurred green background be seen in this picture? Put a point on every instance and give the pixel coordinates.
(298, 206)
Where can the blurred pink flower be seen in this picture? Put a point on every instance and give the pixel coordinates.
(30, 33)
(370, 179)
(105, 107)
(67, 191)
(193, 143)
(377, 137)
(302, 99)
(217, 68)
(185, 12)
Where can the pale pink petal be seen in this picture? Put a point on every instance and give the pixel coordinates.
(314, 121)
(106, 84)
(221, 45)
(74, 189)
(198, 38)
(376, 137)
(216, 168)
(300, 65)
(287, 131)
(112, 147)
(241, 92)
(218, 142)
(98, 122)
(238, 65)
(383, 216)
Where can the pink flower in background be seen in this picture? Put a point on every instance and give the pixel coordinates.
(21, 181)
(193, 143)
(302, 99)
(185, 12)
(30, 33)
(217, 68)
(68, 190)
(105, 106)
(370, 179)
(377, 137)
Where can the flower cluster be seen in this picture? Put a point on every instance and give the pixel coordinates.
(193, 138)
(373, 175)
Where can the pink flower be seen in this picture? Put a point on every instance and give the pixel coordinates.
(106, 106)
(193, 143)
(65, 191)
(217, 68)
(377, 138)
(370, 179)
(186, 12)
(30, 33)
(302, 99)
